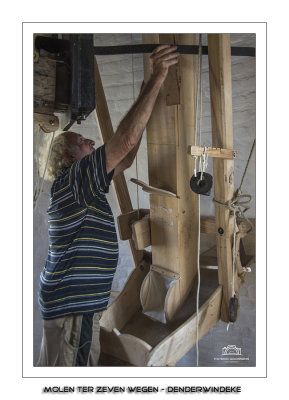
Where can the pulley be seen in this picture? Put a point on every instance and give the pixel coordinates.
(201, 183)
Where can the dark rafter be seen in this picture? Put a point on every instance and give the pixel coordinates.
(59, 45)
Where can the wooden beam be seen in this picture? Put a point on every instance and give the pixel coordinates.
(213, 152)
(125, 221)
(169, 132)
(219, 51)
(106, 132)
(209, 257)
(208, 225)
(152, 190)
(132, 348)
(165, 272)
(141, 233)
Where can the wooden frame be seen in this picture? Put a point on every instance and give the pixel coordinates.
(213, 152)
(219, 51)
(126, 332)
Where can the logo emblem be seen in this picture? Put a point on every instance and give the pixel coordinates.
(231, 350)
(231, 353)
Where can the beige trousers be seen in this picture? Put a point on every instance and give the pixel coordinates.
(70, 341)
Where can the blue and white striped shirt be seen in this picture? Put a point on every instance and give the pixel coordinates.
(83, 249)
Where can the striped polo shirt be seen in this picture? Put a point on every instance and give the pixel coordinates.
(83, 249)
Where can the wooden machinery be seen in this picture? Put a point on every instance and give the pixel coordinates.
(154, 320)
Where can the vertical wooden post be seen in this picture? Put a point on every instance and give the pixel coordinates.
(174, 221)
(106, 132)
(219, 50)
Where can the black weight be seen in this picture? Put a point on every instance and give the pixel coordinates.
(201, 186)
(233, 309)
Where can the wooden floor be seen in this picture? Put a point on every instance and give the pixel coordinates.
(107, 360)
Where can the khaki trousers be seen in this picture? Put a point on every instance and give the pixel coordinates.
(70, 341)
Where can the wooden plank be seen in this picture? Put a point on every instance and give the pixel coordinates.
(208, 225)
(164, 232)
(125, 221)
(170, 130)
(222, 137)
(161, 157)
(209, 257)
(106, 132)
(132, 349)
(127, 302)
(164, 271)
(213, 152)
(172, 83)
(152, 190)
(141, 233)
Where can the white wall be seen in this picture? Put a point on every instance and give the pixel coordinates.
(118, 75)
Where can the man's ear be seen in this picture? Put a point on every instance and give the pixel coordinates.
(69, 157)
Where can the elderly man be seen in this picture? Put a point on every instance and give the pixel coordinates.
(83, 252)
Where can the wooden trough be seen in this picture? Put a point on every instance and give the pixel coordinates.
(129, 335)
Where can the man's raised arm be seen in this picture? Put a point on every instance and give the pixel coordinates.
(129, 132)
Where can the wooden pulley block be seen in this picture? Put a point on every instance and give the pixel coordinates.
(47, 122)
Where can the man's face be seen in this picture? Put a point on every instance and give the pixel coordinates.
(83, 146)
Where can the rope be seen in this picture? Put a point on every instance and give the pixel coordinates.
(198, 121)
(198, 286)
(202, 164)
(203, 161)
(245, 171)
(201, 94)
(234, 253)
(238, 205)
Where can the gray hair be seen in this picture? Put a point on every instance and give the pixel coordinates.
(57, 161)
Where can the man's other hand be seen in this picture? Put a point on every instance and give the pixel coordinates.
(162, 58)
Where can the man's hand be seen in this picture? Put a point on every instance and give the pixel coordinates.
(162, 58)
(122, 147)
